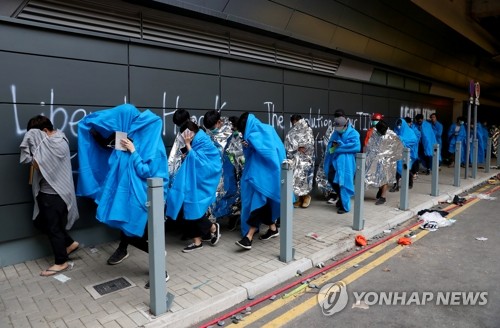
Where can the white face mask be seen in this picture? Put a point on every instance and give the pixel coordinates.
(340, 129)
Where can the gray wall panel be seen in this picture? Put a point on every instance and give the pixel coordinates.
(36, 79)
(59, 44)
(16, 222)
(172, 89)
(345, 85)
(254, 96)
(141, 55)
(305, 79)
(232, 68)
(14, 177)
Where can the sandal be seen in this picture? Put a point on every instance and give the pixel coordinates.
(51, 272)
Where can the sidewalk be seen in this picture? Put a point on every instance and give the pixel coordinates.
(204, 282)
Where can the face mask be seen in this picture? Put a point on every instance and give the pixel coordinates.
(235, 133)
(340, 129)
(374, 123)
(399, 126)
(461, 122)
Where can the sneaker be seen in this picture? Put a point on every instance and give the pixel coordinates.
(270, 234)
(117, 257)
(380, 201)
(331, 201)
(167, 278)
(394, 188)
(306, 201)
(192, 247)
(341, 211)
(245, 243)
(216, 235)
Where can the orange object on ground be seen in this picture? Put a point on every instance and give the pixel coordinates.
(404, 241)
(360, 240)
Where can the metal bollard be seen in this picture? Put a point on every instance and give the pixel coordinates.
(405, 177)
(488, 156)
(435, 171)
(156, 247)
(358, 221)
(458, 159)
(286, 213)
(475, 150)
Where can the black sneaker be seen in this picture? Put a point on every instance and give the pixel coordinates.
(380, 201)
(192, 247)
(117, 257)
(167, 278)
(245, 243)
(216, 235)
(270, 234)
(394, 188)
(341, 211)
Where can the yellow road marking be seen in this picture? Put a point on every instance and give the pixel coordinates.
(278, 303)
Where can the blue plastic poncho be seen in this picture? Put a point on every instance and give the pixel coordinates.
(260, 181)
(427, 138)
(409, 140)
(437, 127)
(457, 134)
(343, 160)
(196, 180)
(115, 179)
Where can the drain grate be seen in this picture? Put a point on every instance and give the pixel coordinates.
(110, 286)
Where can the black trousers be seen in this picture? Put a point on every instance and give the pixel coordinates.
(261, 215)
(52, 221)
(335, 186)
(198, 227)
(139, 242)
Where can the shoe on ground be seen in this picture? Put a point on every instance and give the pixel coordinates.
(117, 257)
(341, 211)
(306, 201)
(380, 201)
(298, 203)
(270, 234)
(394, 188)
(215, 235)
(331, 200)
(207, 237)
(192, 247)
(167, 278)
(245, 243)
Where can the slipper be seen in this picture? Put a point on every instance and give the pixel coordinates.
(53, 272)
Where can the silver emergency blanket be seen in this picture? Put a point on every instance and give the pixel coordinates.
(223, 205)
(321, 178)
(382, 153)
(301, 136)
(494, 134)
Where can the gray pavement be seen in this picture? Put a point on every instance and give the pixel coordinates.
(203, 282)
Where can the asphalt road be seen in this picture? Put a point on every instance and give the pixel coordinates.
(445, 266)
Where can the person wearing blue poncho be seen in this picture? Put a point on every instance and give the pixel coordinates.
(117, 180)
(194, 187)
(416, 162)
(340, 161)
(437, 127)
(409, 140)
(456, 134)
(260, 182)
(427, 141)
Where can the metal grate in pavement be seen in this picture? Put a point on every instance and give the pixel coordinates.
(108, 287)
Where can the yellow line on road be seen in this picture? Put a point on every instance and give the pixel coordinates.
(312, 301)
(279, 302)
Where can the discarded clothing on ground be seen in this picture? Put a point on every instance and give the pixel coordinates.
(432, 217)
